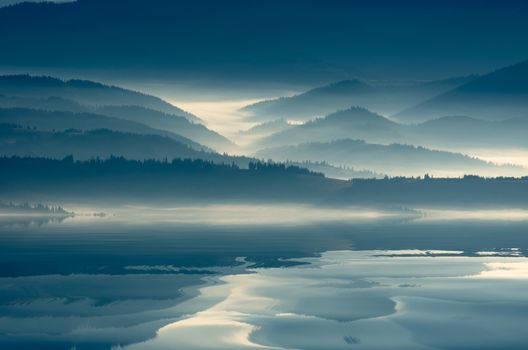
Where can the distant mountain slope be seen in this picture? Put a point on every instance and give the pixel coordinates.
(356, 122)
(448, 133)
(46, 104)
(266, 128)
(103, 143)
(50, 121)
(90, 144)
(336, 172)
(169, 122)
(465, 132)
(149, 117)
(311, 103)
(84, 92)
(122, 181)
(174, 181)
(394, 159)
(499, 95)
(384, 98)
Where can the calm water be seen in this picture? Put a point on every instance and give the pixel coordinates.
(339, 282)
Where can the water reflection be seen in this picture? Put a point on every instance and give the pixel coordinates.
(369, 299)
(389, 281)
(253, 214)
(28, 222)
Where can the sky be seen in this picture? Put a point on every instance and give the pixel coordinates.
(213, 56)
(295, 41)
(4, 3)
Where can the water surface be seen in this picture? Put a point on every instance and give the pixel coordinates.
(362, 279)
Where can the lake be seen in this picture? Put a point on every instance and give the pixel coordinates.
(244, 277)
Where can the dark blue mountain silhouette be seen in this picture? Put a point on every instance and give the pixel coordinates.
(355, 122)
(382, 98)
(50, 94)
(459, 131)
(393, 159)
(103, 143)
(121, 180)
(46, 104)
(499, 95)
(53, 120)
(168, 122)
(454, 133)
(84, 92)
(266, 128)
(175, 180)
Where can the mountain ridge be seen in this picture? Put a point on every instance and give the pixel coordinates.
(26, 85)
(322, 100)
(498, 95)
(392, 159)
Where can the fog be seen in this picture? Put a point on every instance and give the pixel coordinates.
(241, 214)
(139, 277)
(349, 298)
(249, 214)
(280, 175)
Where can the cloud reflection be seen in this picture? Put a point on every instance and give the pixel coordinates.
(321, 306)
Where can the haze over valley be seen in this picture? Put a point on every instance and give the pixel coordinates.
(361, 115)
(280, 174)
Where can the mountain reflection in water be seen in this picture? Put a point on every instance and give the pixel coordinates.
(389, 281)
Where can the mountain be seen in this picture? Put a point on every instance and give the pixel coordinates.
(266, 128)
(468, 191)
(149, 117)
(311, 103)
(179, 180)
(50, 94)
(356, 123)
(84, 92)
(169, 122)
(386, 98)
(102, 143)
(52, 121)
(455, 133)
(247, 138)
(45, 104)
(336, 172)
(502, 94)
(117, 181)
(394, 159)
(459, 132)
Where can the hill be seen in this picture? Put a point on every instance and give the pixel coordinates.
(356, 122)
(52, 121)
(101, 143)
(118, 180)
(84, 92)
(46, 104)
(177, 180)
(266, 128)
(384, 98)
(459, 132)
(455, 133)
(51, 94)
(149, 117)
(499, 95)
(336, 172)
(394, 159)
(168, 122)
